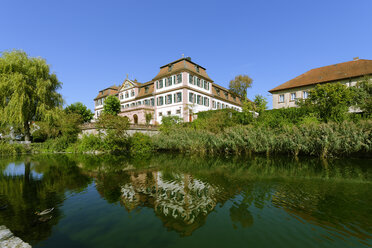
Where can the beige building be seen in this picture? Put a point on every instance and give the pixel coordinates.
(348, 73)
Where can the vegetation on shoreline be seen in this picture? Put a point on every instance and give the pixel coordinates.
(324, 139)
(321, 126)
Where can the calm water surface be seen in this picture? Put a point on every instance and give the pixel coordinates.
(185, 201)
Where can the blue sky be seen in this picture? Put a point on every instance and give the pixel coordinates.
(91, 45)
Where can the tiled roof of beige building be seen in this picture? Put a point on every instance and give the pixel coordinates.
(183, 64)
(350, 69)
(112, 90)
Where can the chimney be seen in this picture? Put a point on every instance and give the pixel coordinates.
(356, 58)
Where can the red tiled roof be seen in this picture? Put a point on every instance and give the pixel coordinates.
(112, 90)
(183, 64)
(329, 73)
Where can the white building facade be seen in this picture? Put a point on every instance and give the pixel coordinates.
(182, 88)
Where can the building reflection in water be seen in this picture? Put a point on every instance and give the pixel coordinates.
(182, 203)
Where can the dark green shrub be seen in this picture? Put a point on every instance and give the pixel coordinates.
(140, 144)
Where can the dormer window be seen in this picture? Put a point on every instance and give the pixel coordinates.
(226, 95)
(196, 68)
(217, 91)
(146, 89)
(170, 67)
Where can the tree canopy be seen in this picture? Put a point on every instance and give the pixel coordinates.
(260, 103)
(28, 91)
(330, 102)
(111, 105)
(80, 109)
(240, 84)
(364, 95)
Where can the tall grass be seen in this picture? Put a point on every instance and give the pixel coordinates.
(325, 139)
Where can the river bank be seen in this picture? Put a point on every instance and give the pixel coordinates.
(346, 139)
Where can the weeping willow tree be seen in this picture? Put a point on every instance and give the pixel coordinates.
(28, 91)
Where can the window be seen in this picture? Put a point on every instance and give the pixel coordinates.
(293, 96)
(217, 91)
(169, 99)
(199, 99)
(214, 104)
(305, 94)
(179, 78)
(170, 67)
(206, 85)
(126, 94)
(281, 98)
(132, 94)
(170, 79)
(179, 97)
(223, 105)
(152, 101)
(196, 68)
(165, 82)
(146, 102)
(146, 89)
(139, 103)
(132, 104)
(226, 94)
(178, 111)
(160, 101)
(218, 105)
(206, 101)
(198, 82)
(122, 106)
(169, 112)
(121, 96)
(127, 106)
(191, 81)
(191, 97)
(160, 114)
(160, 84)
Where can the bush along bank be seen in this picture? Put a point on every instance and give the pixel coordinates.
(322, 140)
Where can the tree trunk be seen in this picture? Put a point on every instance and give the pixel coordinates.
(27, 131)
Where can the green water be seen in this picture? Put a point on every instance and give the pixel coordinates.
(184, 201)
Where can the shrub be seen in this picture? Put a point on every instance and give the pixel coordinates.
(88, 143)
(12, 149)
(140, 144)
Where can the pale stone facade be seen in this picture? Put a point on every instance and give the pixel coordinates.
(181, 88)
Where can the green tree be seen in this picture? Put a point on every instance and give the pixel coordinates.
(80, 109)
(329, 101)
(247, 111)
(240, 84)
(364, 94)
(148, 117)
(28, 90)
(115, 129)
(260, 103)
(111, 105)
(113, 124)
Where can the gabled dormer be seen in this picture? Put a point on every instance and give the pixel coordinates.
(129, 89)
